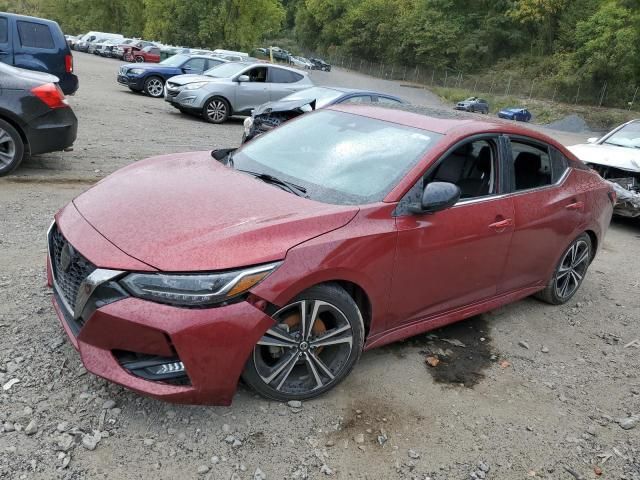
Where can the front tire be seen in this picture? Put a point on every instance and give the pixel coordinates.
(569, 272)
(11, 148)
(317, 339)
(154, 87)
(216, 110)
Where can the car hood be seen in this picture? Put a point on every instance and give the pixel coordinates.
(283, 106)
(192, 78)
(188, 212)
(623, 158)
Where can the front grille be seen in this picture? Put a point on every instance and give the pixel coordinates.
(69, 267)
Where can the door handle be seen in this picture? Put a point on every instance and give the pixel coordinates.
(575, 206)
(507, 222)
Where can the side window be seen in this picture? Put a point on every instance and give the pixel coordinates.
(531, 165)
(154, 51)
(35, 35)
(196, 64)
(472, 167)
(279, 75)
(559, 165)
(4, 27)
(214, 63)
(387, 101)
(360, 99)
(258, 74)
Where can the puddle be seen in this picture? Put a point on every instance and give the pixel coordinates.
(460, 352)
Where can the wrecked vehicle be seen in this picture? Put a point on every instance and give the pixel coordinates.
(271, 114)
(616, 157)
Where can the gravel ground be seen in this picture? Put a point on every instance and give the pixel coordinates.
(528, 390)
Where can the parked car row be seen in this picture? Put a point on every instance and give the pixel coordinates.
(475, 104)
(296, 60)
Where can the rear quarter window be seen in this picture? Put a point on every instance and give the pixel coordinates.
(279, 75)
(4, 35)
(35, 35)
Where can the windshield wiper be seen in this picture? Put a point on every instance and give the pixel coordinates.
(265, 177)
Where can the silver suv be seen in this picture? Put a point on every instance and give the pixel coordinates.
(233, 89)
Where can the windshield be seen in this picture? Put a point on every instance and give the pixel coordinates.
(175, 60)
(627, 136)
(226, 70)
(323, 96)
(339, 157)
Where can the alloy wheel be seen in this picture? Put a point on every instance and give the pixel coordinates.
(216, 111)
(572, 269)
(7, 148)
(155, 87)
(307, 350)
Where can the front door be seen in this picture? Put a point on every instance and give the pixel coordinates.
(254, 92)
(454, 257)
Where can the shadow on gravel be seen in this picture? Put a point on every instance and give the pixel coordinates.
(455, 355)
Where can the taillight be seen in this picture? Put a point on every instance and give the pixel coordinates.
(51, 94)
(68, 63)
(613, 196)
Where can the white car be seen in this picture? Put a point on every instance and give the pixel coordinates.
(300, 62)
(616, 157)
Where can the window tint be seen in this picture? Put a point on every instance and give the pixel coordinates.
(358, 99)
(35, 35)
(258, 74)
(196, 64)
(472, 167)
(278, 75)
(387, 101)
(4, 37)
(214, 63)
(531, 165)
(559, 164)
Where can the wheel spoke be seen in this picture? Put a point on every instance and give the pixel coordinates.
(308, 321)
(314, 371)
(287, 372)
(285, 362)
(330, 334)
(279, 335)
(333, 341)
(563, 292)
(573, 253)
(581, 259)
(321, 364)
(4, 137)
(562, 272)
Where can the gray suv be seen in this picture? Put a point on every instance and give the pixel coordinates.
(473, 104)
(233, 89)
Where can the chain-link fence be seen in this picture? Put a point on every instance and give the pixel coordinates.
(498, 83)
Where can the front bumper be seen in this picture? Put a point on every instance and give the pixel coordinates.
(137, 83)
(184, 99)
(213, 344)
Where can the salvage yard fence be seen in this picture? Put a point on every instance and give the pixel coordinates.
(498, 83)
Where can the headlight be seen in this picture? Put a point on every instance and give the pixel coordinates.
(195, 85)
(248, 122)
(136, 71)
(198, 290)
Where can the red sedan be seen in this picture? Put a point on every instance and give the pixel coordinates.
(149, 54)
(343, 230)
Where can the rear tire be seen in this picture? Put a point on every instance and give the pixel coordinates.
(12, 150)
(569, 273)
(289, 364)
(139, 59)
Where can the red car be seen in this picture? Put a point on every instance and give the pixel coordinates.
(149, 54)
(340, 231)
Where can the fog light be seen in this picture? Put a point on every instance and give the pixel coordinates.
(174, 367)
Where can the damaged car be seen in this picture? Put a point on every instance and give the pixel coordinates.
(280, 262)
(616, 157)
(271, 114)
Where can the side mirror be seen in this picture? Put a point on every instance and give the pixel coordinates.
(436, 196)
(592, 140)
(244, 78)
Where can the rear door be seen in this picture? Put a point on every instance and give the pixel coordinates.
(284, 82)
(549, 211)
(6, 53)
(35, 47)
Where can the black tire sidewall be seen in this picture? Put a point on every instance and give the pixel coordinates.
(553, 296)
(337, 296)
(20, 148)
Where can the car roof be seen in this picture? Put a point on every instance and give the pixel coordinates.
(29, 17)
(441, 121)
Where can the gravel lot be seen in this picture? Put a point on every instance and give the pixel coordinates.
(534, 391)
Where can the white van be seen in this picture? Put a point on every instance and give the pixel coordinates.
(230, 53)
(82, 45)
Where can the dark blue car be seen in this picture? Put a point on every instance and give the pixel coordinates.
(37, 44)
(151, 77)
(515, 113)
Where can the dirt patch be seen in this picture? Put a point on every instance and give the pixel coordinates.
(52, 181)
(458, 354)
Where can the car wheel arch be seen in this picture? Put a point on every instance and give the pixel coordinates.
(17, 125)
